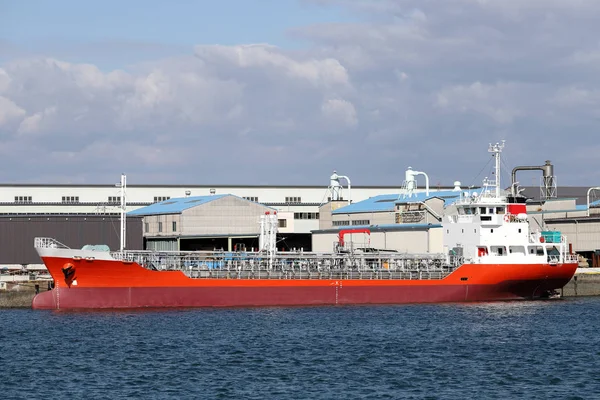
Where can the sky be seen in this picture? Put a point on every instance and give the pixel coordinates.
(271, 92)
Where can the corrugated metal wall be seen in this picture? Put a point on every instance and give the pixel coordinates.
(409, 241)
(17, 234)
(225, 216)
(584, 234)
(161, 245)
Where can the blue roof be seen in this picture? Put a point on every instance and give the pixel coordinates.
(175, 206)
(383, 202)
(595, 203)
(387, 202)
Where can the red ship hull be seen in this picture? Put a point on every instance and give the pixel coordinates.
(116, 284)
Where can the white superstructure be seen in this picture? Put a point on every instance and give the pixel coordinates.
(489, 229)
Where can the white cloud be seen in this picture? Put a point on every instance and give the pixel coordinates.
(35, 123)
(495, 101)
(405, 74)
(4, 81)
(340, 111)
(9, 111)
(324, 72)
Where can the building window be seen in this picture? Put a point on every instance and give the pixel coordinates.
(340, 223)
(158, 199)
(146, 227)
(114, 199)
(361, 222)
(283, 223)
(23, 199)
(251, 198)
(70, 199)
(306, 215)
(160, 226)
(293, 199)
(174, 226)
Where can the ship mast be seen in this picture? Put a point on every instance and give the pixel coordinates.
(123, 186)
(497, 149)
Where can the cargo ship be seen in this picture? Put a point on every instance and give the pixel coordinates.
(490, 253)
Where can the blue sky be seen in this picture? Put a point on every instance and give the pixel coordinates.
(38, 26)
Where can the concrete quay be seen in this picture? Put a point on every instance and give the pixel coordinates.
(586, 282)
(20, 294)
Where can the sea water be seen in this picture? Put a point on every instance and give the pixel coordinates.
(501, 350)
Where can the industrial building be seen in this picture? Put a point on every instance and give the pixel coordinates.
(410, 222)
(225, 222)
(204, 217)
(300, 203)
(297, 207)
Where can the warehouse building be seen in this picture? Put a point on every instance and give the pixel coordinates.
(225, 222)
(302, 201)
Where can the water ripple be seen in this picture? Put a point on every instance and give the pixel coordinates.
(533, 350)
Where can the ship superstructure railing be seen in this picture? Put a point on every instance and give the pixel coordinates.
(294, 265)
(571, 258)
(48, 243)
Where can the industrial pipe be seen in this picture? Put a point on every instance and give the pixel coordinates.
(588, 198)
(547, 172)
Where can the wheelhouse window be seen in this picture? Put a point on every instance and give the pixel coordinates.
(158, 199)
(520, 250)
(499, 250)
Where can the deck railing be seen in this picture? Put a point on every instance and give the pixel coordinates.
(48, 243)
(288, 261)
